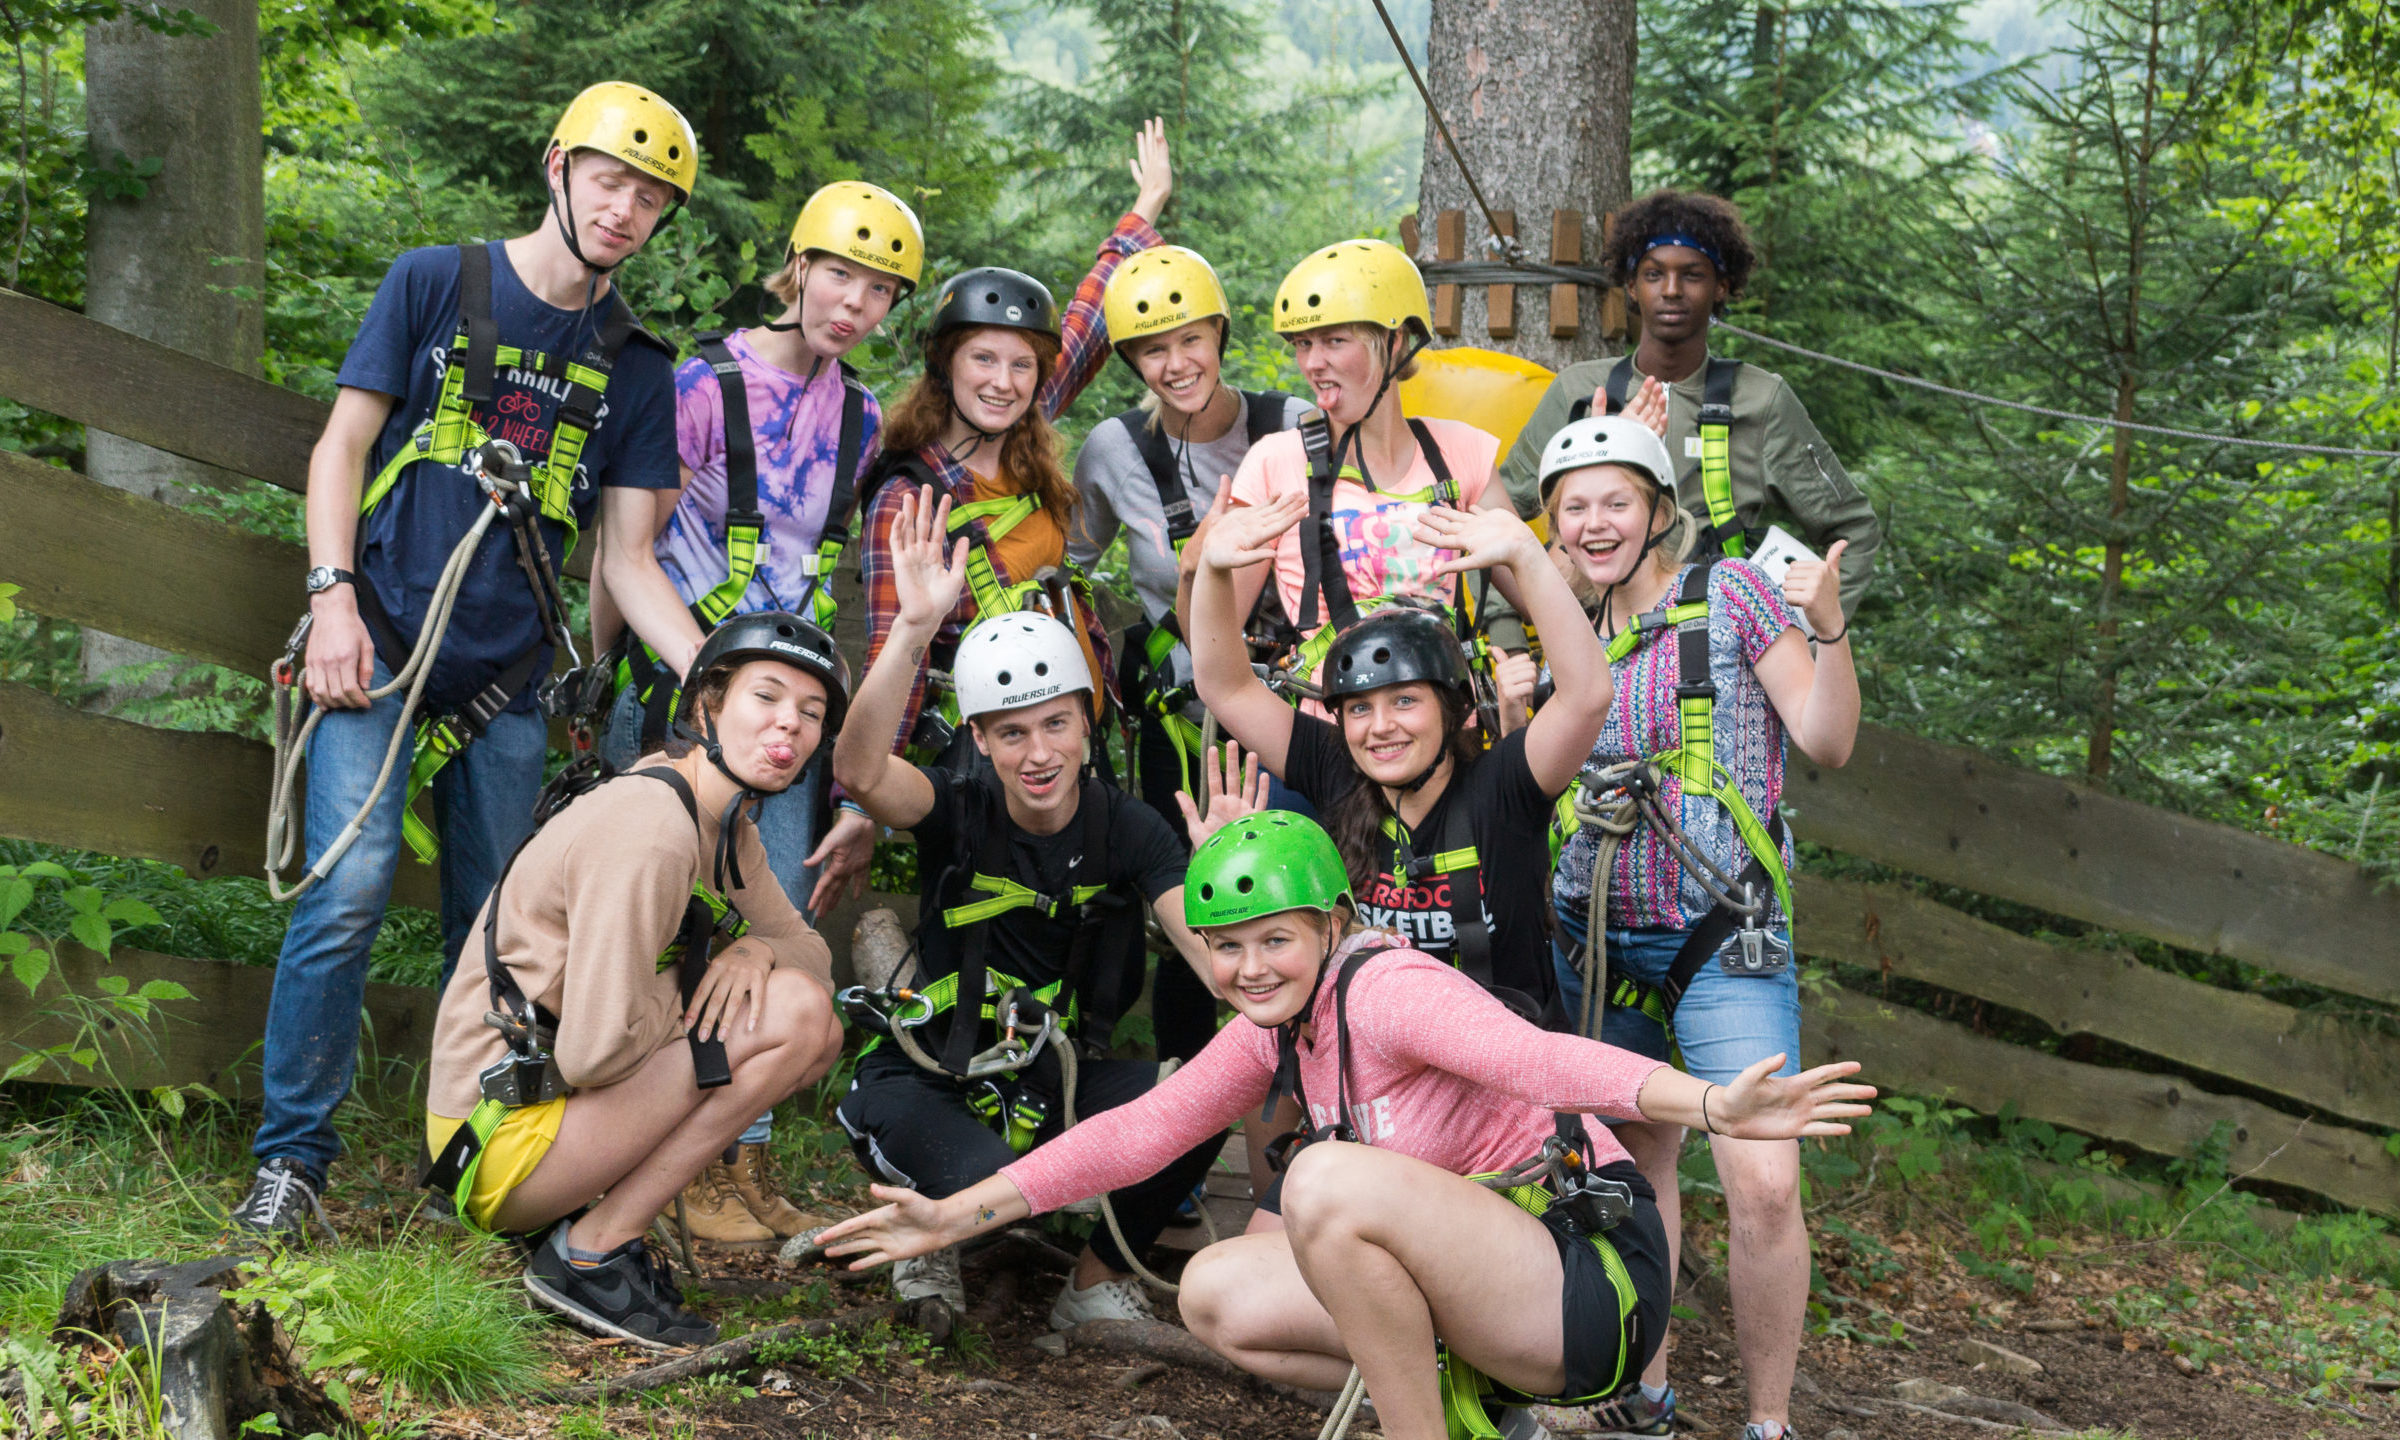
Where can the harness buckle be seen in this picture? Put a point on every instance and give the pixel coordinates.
(1754, 949)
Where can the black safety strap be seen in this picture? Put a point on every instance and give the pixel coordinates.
(741, 452)
(1715, 928)
(1150, 437)
(1266, 409)
(1693, 678)
(696, 940)
(1320, 551)
(1107, 934)
(475, 317)
(1716, 408)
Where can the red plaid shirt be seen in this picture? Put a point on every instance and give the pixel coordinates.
(1084, 349)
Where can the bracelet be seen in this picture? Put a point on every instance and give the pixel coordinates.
(1835, 639)
(1705, 1124)
(854, 808)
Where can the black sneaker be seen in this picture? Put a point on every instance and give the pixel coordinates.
(281, 1203)
(623, 1295)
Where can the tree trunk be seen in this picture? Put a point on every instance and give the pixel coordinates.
(184, 262)
(1540, 98)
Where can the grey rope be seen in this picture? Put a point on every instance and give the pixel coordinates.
(1482, 272)
(1503, 244)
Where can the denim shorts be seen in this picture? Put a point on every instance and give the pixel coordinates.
(1725, 1023)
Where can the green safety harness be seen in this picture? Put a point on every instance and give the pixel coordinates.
(1558, 1177)
(1724, 534)
(1324, 583)
(1616, 799)
(447, 438)
(528, 1074)
(1148, 674)
(637, 665)
(1061, 591)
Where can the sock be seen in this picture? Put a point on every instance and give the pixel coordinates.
(1656, 1394)
(586, 1259)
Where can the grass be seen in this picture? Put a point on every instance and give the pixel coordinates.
(429, 1317)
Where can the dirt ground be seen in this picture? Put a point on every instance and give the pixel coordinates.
(2094, 1378)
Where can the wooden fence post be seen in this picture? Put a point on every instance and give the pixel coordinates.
(1566, 248)
(1449, 243)
(1500, 319)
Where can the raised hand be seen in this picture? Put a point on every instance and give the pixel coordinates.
(1649, 406)
(1187, 562)
(1479, 538)
(1758, 1106)
(927, 587)
(1246, 534)
(1231, 787)
(1814, 588)
(1153, 174)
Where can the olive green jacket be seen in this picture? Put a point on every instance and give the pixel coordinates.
(1783, 471)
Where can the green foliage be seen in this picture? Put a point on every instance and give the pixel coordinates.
(424, 1316)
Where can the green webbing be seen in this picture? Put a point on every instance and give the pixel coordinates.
(942, 993)
(1716, 484)
(1002, 515)
(1008, 895)
(1182, 734)
(1446, 862)
(744, 548)
(482, 1122)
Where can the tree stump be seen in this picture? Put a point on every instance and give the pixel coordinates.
(218, 1363)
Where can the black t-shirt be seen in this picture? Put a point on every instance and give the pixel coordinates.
(1508, 817)
(1140, 854)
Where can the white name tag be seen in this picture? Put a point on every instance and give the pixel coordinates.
(1776, 555)
(1691, 447)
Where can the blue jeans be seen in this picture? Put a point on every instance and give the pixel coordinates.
(787, 827)
(1725, 1022)
(483, 808)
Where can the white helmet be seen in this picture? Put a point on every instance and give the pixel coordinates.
(1606, 440)
(1020, 658)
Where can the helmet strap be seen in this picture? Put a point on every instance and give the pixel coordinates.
(1425, 776)
(1642, 557)
(562, 211)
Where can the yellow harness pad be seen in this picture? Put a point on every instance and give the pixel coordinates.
(524, 1136)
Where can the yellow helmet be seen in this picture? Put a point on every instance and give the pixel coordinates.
(1158, 290)
(1357, 281)
(865, 223)
(635, 126)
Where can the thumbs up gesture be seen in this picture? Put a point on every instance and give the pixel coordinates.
(1814, 588)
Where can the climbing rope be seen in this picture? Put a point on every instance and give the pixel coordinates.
(1616, 800)
(1500, 243)
(283, 841)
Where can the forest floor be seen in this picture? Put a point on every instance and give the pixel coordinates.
(2183, 1309)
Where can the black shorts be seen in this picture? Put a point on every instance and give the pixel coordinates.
(1603, 1356)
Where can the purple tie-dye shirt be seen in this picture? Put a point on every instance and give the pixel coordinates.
(796, 430)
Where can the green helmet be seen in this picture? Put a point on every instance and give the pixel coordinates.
(1263, 864)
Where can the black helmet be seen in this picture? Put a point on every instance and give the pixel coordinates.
(774, 635)
(1395, 645)
(1008, 299)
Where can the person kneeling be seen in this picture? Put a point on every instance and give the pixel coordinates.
(1433, 1084)
(1036, 873)
(600, 1055)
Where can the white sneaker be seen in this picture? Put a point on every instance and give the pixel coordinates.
(931, 1277)
(1518, 1422)
(1117, 1299)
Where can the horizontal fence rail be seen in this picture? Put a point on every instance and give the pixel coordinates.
(1904, 1049)
(203, 588)
(1963, 819)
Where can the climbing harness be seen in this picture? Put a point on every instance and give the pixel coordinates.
(529, 1074)
(1060, 591)
(1617, 798)
(1558, 1177)
(525, 493)
(1071, 1017)
(500, 469)
(1149, 676)
(636, 665)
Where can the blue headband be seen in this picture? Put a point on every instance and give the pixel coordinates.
(1688, 242)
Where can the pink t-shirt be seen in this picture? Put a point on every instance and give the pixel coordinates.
(1380, 555)
(1439, 1070)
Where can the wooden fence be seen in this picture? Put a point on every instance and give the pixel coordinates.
(205, 589)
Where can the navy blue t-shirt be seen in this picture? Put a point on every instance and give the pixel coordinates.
(403, 544)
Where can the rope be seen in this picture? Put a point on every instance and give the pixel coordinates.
(1527, 271)
(1108, 1212)
(1505, 243)
(283, 842)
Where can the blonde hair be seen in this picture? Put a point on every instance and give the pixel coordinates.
(784, 284)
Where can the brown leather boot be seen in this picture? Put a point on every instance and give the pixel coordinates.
(713, 1209)
(754, 1181)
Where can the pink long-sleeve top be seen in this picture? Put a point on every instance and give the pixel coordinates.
(1438, 1070)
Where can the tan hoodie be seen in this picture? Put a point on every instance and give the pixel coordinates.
(594, 899)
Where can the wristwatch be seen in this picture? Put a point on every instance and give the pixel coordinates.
(325, 577)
